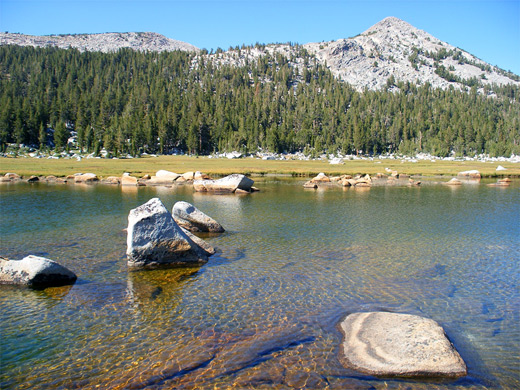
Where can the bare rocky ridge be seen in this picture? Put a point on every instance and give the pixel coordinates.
(107, 42)
(388, 48)
(391, 47)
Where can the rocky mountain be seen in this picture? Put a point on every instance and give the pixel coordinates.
(395, 48)
(388, 52)
(107, 42)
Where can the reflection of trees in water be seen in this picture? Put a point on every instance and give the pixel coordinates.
(150, 291)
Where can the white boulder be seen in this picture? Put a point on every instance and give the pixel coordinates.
(229, 183)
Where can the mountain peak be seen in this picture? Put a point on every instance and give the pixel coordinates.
(393, 48)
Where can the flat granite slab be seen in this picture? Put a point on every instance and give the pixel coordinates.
(393, 344)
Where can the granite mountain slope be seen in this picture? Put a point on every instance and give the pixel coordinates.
(388, 52)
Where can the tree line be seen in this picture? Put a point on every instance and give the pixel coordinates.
(131, 102)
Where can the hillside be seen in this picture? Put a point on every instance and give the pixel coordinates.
(388, 52)
(105, 43)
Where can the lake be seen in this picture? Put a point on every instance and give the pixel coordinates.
(263, 312)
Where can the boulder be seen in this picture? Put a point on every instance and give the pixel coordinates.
(227, 184)
(33, 179)
(393, 344)
(35, 271)
(154, 239)
(188, 176)
(191, 218)
(321, 178)
(163, 177)
(454, 182)
(85, 178)
(310, 184)
(473, 174)
(127, 180)
(200, 242)
(12, 176)
(111, 180)
(501, 168)
(200, 176)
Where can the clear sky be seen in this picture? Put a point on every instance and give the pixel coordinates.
(488, 29)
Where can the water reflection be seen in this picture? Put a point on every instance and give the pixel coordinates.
(150, 291)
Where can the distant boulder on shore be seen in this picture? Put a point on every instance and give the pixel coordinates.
(229, 184)
(35, 271)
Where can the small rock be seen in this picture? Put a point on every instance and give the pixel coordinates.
(310, 184)
(393, 344)
(33, 179)
(501, 168)
(191, 218)
(321, 178)
(35, 271)
(200, 242)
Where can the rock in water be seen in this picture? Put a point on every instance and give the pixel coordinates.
(393, 344)
(154, 239)
(229, 183)
(191, 218)
(35, 271)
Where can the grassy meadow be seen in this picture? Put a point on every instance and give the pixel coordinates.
(250, 166)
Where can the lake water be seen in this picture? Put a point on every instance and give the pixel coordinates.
(262, 313)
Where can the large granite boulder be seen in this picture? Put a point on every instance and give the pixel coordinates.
(230, 183)
(86, 178)
(163, 177)
(472, 174)
(127, 180)
(154, 239)
(35, 271)
(191, 218)
(393, 344)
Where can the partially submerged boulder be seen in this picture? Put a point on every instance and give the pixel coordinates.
(225, 185)
(453, 182)
(86, 178)
(472, 174)
(127, 180)
(191, 218)
(35, 271)
(163, 177)
(393, 344)
(154, 239)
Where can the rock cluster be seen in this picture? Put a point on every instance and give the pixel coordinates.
(155, 239)
(394, 344)
(35, 271)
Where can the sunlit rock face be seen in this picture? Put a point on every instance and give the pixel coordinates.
(154, 239)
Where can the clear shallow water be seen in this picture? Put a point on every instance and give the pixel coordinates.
(262, 313)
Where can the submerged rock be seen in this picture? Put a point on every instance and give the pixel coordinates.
(35, 271)
(191, 218)
(227, 184)
(393, 344)
(453, 182)
(154, 239)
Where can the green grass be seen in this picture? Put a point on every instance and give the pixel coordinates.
(249, 166)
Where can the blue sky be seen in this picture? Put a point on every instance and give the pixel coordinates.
(489, 29)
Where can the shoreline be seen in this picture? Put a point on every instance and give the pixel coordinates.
(218, 167)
